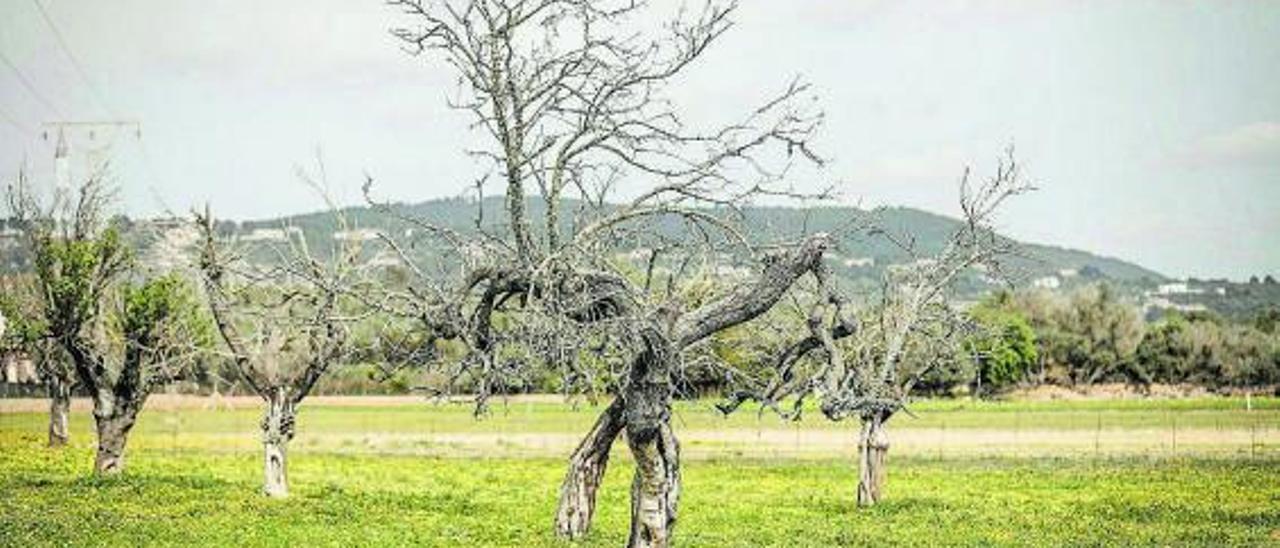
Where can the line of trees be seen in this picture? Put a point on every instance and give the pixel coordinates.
(1092, 336)
(95, 319)
(123, 332)
(572, 107)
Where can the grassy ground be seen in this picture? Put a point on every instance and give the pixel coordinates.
(193, 478)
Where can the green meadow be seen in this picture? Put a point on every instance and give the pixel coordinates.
(404, 471)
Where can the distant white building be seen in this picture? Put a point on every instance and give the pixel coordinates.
(925, 262)
(859, 262)
(725, 271)
(1068, 273)
(386, 259)
(356, 235)
(271, 234)
(1177, 288)
(913, 266)
(639, 254)
(1166, 304)
(1047, 282)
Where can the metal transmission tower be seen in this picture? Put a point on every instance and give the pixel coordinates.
(92, 141)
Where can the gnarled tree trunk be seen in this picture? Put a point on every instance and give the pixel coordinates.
(113, 433)
(59, 413)
(113, 421)
(586, 470)
(873, 450)
(655, 491)
(277, 431)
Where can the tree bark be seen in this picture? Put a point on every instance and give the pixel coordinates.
(275, 482)
(59, 413)
(586, 470)
(655, 491)
(277, 431)
(113, 417)
(873, 450)
(749, 301)
(113, 433)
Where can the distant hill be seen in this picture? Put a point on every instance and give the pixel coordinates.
(858, 260)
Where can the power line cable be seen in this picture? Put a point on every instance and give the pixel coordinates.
(100, 97)
(23, 129)
(75, 61)
(29, 86)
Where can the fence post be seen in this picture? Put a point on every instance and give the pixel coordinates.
(1253, 440)
(1017, 431)
(1097, 435)
(942, 439)
(796, 450)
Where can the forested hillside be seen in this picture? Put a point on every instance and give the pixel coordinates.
(860, 259)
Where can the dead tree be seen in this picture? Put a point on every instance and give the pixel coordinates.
(124, 337)
(865, 365)
(27, 336)
(283, 325)
(572, 98)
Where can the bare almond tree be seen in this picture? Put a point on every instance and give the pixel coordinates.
(282, 320)
(27, 338)
(866, 365)
(126, 332)
(573, 100)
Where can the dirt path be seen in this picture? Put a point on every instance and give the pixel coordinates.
(169, 402)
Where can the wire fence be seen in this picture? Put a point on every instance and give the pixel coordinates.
(411, 426)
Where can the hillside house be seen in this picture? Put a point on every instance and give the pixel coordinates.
(271, 234)
(1047, 282)
(356, 235)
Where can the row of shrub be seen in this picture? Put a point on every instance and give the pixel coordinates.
(1093, 336)
(1025, 338)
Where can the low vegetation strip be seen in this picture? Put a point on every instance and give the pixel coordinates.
(198, 497)
(533, 427)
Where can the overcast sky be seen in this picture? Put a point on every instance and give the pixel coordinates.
(1152, 128)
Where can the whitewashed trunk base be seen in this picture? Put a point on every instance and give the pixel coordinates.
(873, 451)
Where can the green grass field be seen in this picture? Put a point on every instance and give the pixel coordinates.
(1204, 472)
